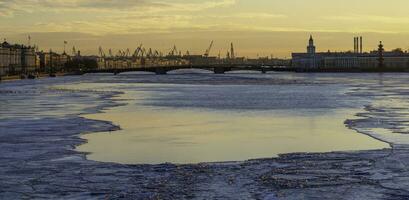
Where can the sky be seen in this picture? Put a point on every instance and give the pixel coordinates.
(256, 27)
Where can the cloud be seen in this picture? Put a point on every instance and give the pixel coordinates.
(248, 15)
(370, 18)
(106, 16)
(203, 5)
(10, 7)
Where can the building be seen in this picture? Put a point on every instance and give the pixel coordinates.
(52, 62)
(357, 59)
(307, 60)
(17, 59)
(140, 62)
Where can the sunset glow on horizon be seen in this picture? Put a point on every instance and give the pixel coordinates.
(257, 28)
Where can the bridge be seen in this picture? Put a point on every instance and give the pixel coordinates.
(215, 68)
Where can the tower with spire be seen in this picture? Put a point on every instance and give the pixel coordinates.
(311, 47)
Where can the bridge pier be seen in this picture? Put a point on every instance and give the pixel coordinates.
(160, 71)
(220, 70)
(117, 71)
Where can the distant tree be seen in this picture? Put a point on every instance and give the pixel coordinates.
(398, 50)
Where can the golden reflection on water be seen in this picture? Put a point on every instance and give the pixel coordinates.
(152, 135)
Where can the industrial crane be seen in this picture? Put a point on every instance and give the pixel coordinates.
(143, 52)
(174, 51)
(118, 54)
(74, 51)
(137, 51)
(207, 53)
(150, 53)
(127, 53)
(156, 54)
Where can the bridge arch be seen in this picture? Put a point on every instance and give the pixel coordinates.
(241, 71)
(193, 70)
(136, 73)
(246, 69)
(216, 68)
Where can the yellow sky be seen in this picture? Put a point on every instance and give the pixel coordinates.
(262, 27)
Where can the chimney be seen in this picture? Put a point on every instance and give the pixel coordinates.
(360, 42)
(354, 44)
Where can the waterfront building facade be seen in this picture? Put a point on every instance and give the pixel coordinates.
(51, 61)
(128, 63)
(17, 59)
(312, 60)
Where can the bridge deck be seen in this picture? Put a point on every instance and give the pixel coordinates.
(218, 68)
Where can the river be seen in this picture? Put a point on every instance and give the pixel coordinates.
(232, 117)
(95, 136)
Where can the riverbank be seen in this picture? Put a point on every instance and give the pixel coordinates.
(352, 70)
(38, 159)
(39, 76)
(388, 70)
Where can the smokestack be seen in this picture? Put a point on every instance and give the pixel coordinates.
(354, 44)
(360, 42)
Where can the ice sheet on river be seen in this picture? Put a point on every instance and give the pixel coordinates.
(38, 162)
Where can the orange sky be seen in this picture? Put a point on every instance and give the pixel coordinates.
(257, 27)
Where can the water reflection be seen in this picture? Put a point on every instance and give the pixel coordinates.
(161, 134)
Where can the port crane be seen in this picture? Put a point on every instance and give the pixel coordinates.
(137, 52)
(157, 54)
(207, 53)
(127, 53)
(150, 53)
(121, 54)
(74, 51)
(173, 51)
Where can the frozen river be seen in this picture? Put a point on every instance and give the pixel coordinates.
(199, 117)
(184, 122)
